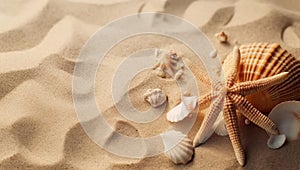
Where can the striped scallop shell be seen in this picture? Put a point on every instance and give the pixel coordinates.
(260, 60)
(179, 153)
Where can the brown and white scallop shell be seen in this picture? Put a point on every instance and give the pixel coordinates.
(260, 60)
(180, 153)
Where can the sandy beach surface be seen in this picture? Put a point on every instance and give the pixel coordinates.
(40, 41)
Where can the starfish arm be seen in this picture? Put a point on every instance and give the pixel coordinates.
(254, 115)
(204, 102)
(232, 65)
(206, 129)
(248, 87)
(231, 123)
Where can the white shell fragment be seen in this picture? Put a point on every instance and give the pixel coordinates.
(276, 141)
(286, 116)
(222, 37)
(156, 97)
(179, 153)
(169, 65)
(181, 111)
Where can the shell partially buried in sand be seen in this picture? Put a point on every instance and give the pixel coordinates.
(180, 153)
(156, 97)
(169, 65)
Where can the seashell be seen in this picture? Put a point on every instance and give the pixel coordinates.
(260, 60)
(181, 111)
(286, 116)
(179, 153)
(276, 141)
(155, 97)
(222, 37)
(169, 65)
(248, 63)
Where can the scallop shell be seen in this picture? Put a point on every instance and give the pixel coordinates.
(260, 60)
(181, 111)
(286, 116)
(155, 97)
(169, 65)
(179, 153)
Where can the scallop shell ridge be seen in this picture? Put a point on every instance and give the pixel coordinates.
(260, 60)
(182, 152)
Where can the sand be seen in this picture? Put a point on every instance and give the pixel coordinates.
(40, 41)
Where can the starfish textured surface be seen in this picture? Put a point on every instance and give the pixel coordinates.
(229, 98)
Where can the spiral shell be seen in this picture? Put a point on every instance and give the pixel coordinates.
(260, 60)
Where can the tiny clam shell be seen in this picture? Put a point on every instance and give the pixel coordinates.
(181, 111)
(156, 97)
(276, 141)
(286, 116)
(180, 153)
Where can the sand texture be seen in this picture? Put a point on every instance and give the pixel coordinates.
(40, 41)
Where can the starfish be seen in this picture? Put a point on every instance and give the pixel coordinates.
(231, 97)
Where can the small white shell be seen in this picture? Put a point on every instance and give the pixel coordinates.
(179, 153)
(181, 111)
(276, 141)
(286, 116)
(156, 97)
